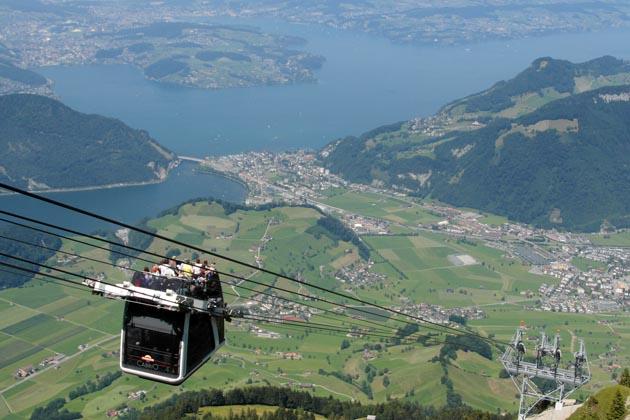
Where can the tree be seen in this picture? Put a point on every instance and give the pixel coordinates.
(345, 344)
(55, 411)
(457, 319)
(624, 379)
(590, 410)
(617, 409)
(21, 250)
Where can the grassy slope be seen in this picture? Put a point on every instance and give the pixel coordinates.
(422, 259)
(604, 398)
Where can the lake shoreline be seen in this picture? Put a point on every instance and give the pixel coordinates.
(355, 94)
(200, 169)
(92, 188)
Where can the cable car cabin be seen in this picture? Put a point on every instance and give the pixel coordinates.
(171, 326)
(167, 346)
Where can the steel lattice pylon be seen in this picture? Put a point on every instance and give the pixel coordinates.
(546, 364)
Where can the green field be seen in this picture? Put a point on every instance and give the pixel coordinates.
(397, 210)
(611, 239)
(584, 264)
(45, 318)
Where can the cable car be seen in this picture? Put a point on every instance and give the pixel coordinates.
(171, 325)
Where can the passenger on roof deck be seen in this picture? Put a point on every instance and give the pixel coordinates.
(166, 269)
(213, 286)
(142, 279)
(196, 269)
(186, 269)
(173, 264)
(204, 267)
(148, 277)
(136, 280)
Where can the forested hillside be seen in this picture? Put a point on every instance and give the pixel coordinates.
(562, 164)
(10, 71)
(18, 272)
(46, 145)
(296, 405)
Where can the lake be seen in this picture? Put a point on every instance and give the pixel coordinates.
(365, 82)
(128, 204)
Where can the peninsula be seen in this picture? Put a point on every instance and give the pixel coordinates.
(167, 46)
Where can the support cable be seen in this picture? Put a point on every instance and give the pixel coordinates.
(296, 325)
(224, 282)
(436, 325)
(432, 325)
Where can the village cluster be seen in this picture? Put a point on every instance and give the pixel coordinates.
(296, 177)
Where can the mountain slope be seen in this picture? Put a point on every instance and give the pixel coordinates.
(598, 405)
(565, 164)
(46, 145)
(545, 80)
(10, 71)
(562, 164)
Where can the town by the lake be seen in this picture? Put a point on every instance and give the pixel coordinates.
(603, 285)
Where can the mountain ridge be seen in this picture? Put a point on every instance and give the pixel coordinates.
(47, 145)
(558, 165)
(545, 77)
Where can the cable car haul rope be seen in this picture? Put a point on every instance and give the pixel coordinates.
(173, 324)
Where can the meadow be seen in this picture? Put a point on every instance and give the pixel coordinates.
(45, 318)
(397, 210)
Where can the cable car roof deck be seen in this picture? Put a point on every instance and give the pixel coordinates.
(172, 293)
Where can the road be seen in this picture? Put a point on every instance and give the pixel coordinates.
(258, 262)
(53, 366)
